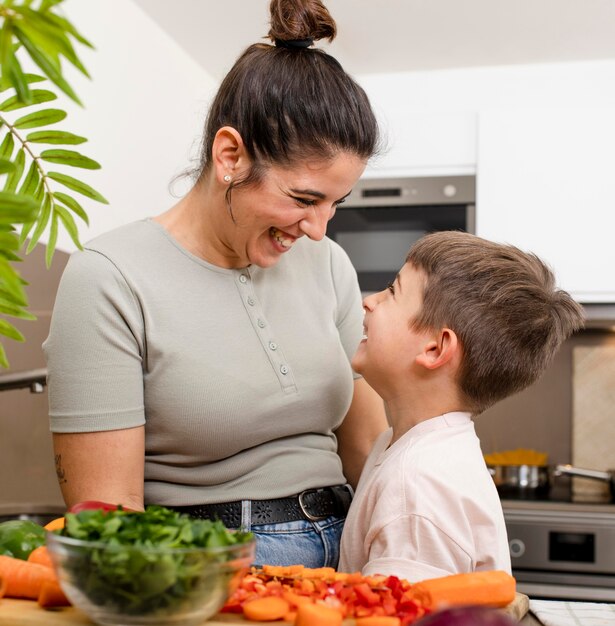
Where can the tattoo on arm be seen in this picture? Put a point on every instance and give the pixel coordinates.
(60, 472)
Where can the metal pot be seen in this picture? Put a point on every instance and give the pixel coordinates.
(521, 481)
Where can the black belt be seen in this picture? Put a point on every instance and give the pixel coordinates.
(311, 504)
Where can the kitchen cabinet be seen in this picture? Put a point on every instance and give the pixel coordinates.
(544, 183)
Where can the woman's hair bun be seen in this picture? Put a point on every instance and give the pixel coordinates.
(300, 20)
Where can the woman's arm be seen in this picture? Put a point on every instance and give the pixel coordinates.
(105, 466)
(364, 421)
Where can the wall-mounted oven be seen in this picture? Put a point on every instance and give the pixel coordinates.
(383, 217)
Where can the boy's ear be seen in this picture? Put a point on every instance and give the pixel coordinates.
(439, 350)
(228, 154)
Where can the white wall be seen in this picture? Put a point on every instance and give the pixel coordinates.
(144, 112)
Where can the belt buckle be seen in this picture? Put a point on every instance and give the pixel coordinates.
(312, 518)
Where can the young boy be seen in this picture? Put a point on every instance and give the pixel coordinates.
(465, 323)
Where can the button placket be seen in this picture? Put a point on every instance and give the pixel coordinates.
(261, 327)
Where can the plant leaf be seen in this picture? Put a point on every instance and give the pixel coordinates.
(12, 73)
(47, 65)
(53, 238)
(48, 35)
(55, 137)
(40, 118)
(69, 28)
(14, 177)
(78, 186)
(48, 4)
(28, 78)
(72, 204)
(6, 166)
(17, 209)
(3, 360)
(30, 182)
(8, 330)
(7, 145)
(8, 241)
(69, 223)
(37, 96)
(69, 157)
(41, 223)
(15, 311)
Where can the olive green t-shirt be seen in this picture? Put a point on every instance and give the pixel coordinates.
(239, 375)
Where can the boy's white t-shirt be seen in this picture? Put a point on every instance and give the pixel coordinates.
(426, 506)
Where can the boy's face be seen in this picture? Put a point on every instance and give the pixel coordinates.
(390, 345)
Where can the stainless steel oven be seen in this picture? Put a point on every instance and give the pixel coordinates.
(562, 550)
(383, 217)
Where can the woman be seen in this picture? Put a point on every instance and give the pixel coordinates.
(200, 359)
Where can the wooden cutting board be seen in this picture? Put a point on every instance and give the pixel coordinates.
(28, 613)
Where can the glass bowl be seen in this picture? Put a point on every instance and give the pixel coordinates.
(119, 585)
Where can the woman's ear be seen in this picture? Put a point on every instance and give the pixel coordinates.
(439, 350)
(228, 154)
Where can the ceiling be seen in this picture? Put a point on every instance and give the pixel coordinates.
(377, 36)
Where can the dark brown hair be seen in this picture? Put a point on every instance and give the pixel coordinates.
(503, 305)
(289, 103)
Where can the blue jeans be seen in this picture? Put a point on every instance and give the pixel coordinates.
(300, 542)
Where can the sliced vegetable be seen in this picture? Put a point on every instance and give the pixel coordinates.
(317, 615)
(55, 524)
(266, 609)
(51, 595)
(41, 556)
(19, 537)
(490, 588)
(88, 505)
(380, 620)
(23, 579)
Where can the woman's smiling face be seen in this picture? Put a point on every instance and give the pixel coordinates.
(288, 203)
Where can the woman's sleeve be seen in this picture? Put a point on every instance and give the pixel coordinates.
(95, 349)
(349, 302)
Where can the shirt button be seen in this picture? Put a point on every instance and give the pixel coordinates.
(273, 345)
(243, 278)
(251, 301)
(261, 324)
(284, 369)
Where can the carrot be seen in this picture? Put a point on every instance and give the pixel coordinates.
(2, 586)
(378, 620)
(491, 588)
(294, 599)
(317, 615)
(51, 595)
(319, 573)
(283, 571)
(266, 609)
(55, 524)
(41, 556)
(23, 579)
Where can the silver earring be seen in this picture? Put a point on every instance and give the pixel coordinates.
(227, 178)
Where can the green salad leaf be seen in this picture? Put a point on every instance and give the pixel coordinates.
(152, 561)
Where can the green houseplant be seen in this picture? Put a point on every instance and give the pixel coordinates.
(36, 193)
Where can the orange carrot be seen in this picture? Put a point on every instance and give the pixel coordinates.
(378, 620)
(317, 615)
(266, 609)
(283, 571)
(51, 595)
(321, 573)
(294, 599)
(2, 586)
(23, 579)
(491, 588)
(55, 524)
(41, 556)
